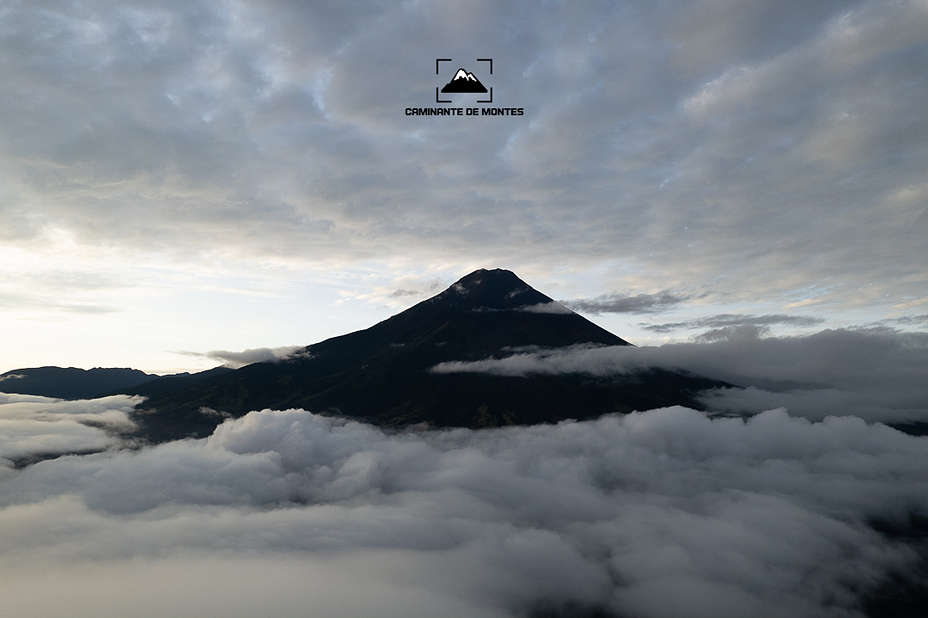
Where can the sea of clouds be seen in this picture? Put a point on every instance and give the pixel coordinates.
(285, 513)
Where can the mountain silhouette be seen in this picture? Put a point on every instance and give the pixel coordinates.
(464, 82)
(71, 382)
(382, 375)
(74, 383)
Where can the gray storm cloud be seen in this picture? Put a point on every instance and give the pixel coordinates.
(283, 513)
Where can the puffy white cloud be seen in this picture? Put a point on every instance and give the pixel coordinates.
(659, 512)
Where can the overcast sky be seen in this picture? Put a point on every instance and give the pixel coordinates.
(181, 177)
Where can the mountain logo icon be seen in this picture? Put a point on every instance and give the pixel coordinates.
(463, 81)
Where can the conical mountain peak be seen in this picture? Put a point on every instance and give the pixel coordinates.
(493, 290)
(384, 374)
(483, 312)
(464, 81)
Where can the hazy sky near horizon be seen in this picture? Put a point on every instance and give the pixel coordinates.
(184, 177)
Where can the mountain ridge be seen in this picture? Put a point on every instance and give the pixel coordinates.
(382, 374)
(71, 382)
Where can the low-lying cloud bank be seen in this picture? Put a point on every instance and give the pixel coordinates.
(34, 427)
(236, 360)
(877, 374)
(283, 513)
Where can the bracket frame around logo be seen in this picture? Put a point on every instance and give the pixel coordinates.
(437, 65)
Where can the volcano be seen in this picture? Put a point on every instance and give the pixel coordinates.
(383, 375)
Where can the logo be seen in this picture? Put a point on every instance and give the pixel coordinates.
(464, 82)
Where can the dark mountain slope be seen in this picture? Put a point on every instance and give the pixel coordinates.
(382, 374)
(74, 383)
(71, 382)
(173, 382)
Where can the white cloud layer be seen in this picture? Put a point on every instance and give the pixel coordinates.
(877, 374)
(283, 513)
(34, 427)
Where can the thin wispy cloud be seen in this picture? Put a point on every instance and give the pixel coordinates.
(721, 325)
(628, 303)
(913, 320)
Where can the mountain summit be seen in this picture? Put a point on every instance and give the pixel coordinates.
(464, 82)
(384, 374)
(479, 315)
